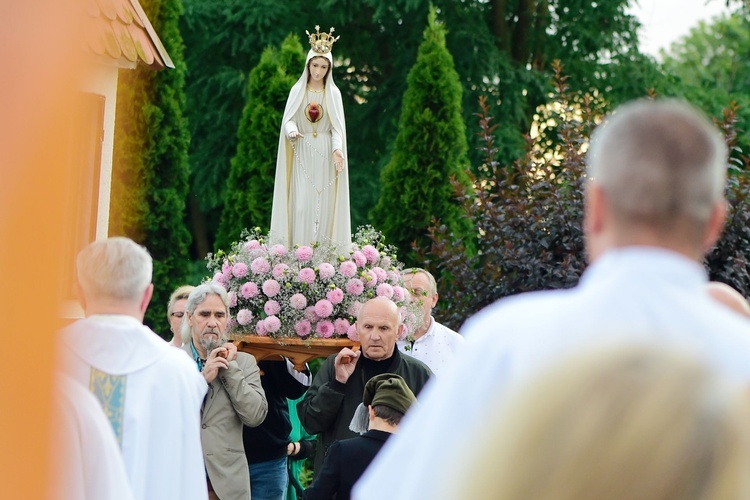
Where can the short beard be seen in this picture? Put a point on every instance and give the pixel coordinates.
(211, 344)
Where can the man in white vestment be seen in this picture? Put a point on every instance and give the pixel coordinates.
(433, 344)
(654, 206)
(86, 459)
(151, 393)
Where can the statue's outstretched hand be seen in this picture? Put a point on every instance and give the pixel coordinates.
(338, 160)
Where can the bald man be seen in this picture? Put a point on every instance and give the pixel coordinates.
(337, 388)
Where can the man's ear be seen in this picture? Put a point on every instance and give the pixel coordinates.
(593, 216)
(715, 225)
(435, 297)
(371, 412)
(147, 298)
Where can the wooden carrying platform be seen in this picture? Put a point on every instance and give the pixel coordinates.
(298, 350)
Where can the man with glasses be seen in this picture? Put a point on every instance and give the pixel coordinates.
(433, 344)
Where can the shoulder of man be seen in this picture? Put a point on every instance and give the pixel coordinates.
(415, 372)
(523, 308)
(246, 360)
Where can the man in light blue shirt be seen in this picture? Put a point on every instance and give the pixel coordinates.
(654, 206)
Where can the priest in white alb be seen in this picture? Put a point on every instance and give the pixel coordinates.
(150, 392)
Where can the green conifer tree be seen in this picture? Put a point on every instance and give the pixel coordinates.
(249, 193)
(430, 149)
(150, 178)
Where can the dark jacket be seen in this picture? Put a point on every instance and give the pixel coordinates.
(269, 440)
(345, 463)
(329, 405)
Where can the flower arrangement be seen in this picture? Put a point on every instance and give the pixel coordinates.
(309, 291)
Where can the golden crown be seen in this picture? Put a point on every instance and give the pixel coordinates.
(321, 43)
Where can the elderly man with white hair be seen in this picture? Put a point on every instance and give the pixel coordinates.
(235, 394)
(150, 392)
(654, 205)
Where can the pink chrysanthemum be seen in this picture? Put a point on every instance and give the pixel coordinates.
(352, 333)
(341, 326)
(272, 307)
(404, 332)
(279, 270)
(326, 271)
(306, 275)
(219, 278)
(260, 266)
(336, 296)
(226, 267)
(371, 253)
(380, 273)
(244, 317)
(370, 279)
(394, 277)
(252, 245)
(298, 301)
(359, 258)
(278, 250)
(385, 290)
(399, 293)
(354, 308)
(249, 290)
(385, 262)
(348, 269)
(310, 314)
(303, 328)
(304, 253)
(271, 288)
(355, 286)
(260, 328)
(323, 308)
(239, 270)
(324, 329)
(232, 299)
(272, 324)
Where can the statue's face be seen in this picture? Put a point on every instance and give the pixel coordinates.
(318, 68)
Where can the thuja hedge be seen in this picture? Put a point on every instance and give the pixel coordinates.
(528, 216)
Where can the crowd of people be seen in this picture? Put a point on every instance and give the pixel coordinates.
(633, 384)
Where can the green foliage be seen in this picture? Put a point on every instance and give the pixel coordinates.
(729, 261)
(249, 191)
(711, 67)
(528, 214)
(430, 149)
(150, 178)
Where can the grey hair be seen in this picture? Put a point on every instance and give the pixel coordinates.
(658, 162)
(196, 298)
(430, 277)
(115, 269)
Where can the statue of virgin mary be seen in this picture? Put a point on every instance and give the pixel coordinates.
(311, 190)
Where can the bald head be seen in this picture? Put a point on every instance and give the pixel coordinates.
(379, 326)
(659, 166)
(728, 296)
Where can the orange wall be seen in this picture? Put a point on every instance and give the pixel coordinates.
(39, 66)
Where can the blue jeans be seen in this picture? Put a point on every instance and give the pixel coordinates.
(268, 480)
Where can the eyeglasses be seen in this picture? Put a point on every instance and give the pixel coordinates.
(178, 314)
